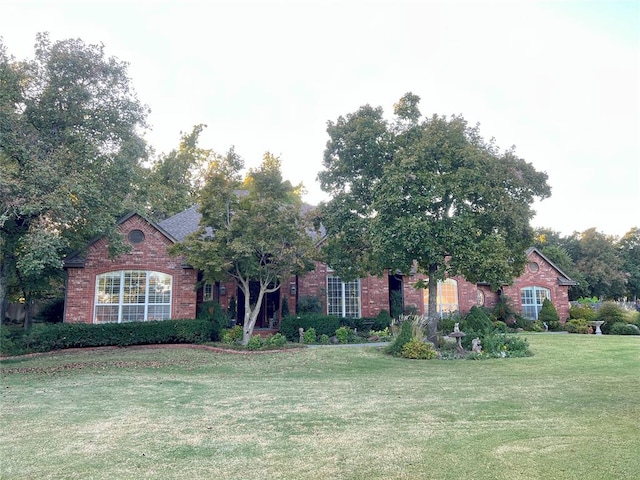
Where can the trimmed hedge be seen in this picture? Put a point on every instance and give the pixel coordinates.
(47, 337)
(328, 324)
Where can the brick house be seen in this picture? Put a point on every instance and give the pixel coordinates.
(148, 284)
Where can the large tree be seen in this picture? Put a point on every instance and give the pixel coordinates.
(599, 260)
(555, 247)
(428, 194)
(252, 230)
(174, 179)
(70, 148)
(629, 247)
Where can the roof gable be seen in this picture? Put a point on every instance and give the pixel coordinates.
(76, 259)
(563, 278)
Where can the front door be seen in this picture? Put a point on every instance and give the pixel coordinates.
(269, 309)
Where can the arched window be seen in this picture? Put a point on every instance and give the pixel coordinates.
(447, 297)
(531, 299)
(132, 296)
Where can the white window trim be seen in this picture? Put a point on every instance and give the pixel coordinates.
(121, 303)
(343, 297)
(534, 289)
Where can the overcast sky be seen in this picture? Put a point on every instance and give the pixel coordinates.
(559, 80)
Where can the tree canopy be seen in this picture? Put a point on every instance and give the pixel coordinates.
(70, 150)
(428, 194)
(252, 230)
(174, 179)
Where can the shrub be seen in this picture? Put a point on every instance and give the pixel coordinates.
(342, 334)
(213, 312)
(611, 314)
(582, 311)
(417, 349)
(323, 324)
(499, 345)
(476, 320)
(255, 343)
(309, 336)
(285, 307)
(232, 335)
(403, 337)
(383, 319)
(380, 335)
(277, 340)
(578, 325)
(549, 315)
(448, 322)
(47, 337)
(324, 339)
(503, 310)
(620, 328)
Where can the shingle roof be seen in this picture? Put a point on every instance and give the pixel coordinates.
(183, 223)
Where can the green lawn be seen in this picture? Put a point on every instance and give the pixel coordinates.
(570, 411)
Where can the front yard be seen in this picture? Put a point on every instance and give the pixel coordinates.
(570, 411)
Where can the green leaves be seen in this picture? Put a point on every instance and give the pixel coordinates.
(70, 152)
(428, 193)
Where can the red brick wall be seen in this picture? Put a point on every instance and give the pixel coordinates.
(546, 277)
(314, 284)
(151, 254)
(374, 295)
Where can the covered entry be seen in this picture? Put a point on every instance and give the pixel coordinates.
(269, 316)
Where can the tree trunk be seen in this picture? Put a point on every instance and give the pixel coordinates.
(432, 312)
(251, 316)
(4, 273)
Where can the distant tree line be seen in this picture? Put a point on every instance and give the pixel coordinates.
(605, 266)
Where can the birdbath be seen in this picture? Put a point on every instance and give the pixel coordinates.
(597, 323)
(458, 335)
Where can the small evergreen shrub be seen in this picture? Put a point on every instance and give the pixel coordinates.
(285, 307)
(477, 321)
(324, 339)
(549, 315)
(405, 335)
(255, 343)
(417, 349)
(503, 310)
(213, 312)
(309, 336)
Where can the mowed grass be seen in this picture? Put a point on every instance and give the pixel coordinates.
(570, 411)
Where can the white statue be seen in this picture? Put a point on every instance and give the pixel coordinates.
(476, 345)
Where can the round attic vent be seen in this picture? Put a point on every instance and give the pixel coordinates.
(533, 267)
(136, 236)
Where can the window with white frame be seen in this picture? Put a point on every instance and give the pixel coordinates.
(343, 298)
(446, 298)
(132, 296)
(531, 299)
(207, 292)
